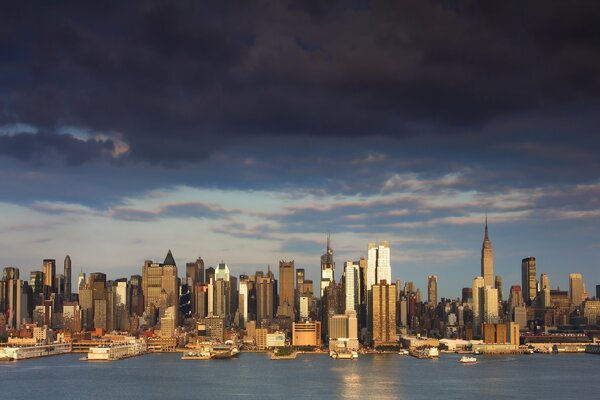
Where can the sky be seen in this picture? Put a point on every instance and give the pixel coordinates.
(246, 132)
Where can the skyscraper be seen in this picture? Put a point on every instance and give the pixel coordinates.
(432, 286)
(478, 304)
(265, 298)
(194, 272)
(384, 313)
(487, 259)
(67, 273)
(576, 289)
(352, 285)
(286, 289)
(378, 263)
(498, 285)
(243, 300)
(50, 274)
(490, 309)
(529, 279)
(160, 284)
(327, 267)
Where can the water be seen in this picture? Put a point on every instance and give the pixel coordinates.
(254, 375)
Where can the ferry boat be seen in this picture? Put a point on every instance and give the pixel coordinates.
(343, 354)
(468, 360)
(223, 351)
(116, 351)
(203, 351)
(25, 352)
(426, 352)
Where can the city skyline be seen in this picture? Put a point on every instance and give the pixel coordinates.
(315, 273)
(126, 130)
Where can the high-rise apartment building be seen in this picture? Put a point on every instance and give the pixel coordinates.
(352, 285)
(487, 259)
(529, 279)
(67, 273)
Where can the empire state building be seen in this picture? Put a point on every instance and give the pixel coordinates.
(487, 259)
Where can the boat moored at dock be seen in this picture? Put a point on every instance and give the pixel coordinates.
(25, 352)
(116, 351)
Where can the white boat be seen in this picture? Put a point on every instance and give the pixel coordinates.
(425, 352)
(403, 352)
(21, 353)
(468, 360)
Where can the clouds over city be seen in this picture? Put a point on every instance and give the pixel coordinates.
(267, 124)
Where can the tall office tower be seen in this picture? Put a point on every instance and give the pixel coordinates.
(515, 298)
(352, 285)
(122, 303)
(60, 284)
(467, 295)
(490, 308)
(191, 272)
(265, 294)
(136, 304)
(529, 279)
(160, 279)
(50, 274)
(398, 289)
(432, 287)
(36, 281)
(243, 301)
(478, 304)
(67, 273)
(576, 289)
(86, 302)
(498, 285)
(80, 280)
(221, 299)
(200, 308)
(300, 275)
(222, 272)
(101, 314)
(487, 259)
(209, 274)
(327, 267)
(384, 313)
(13, 297)
(98, 284)
(378, 263)
(597, 292)
(544, 281)
(286, 289)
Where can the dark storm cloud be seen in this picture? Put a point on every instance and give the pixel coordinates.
(40, 148)
(182, 80)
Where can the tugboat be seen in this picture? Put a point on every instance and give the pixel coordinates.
(468, 360)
